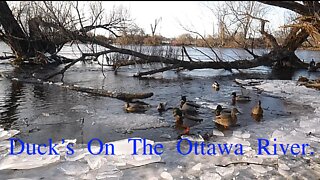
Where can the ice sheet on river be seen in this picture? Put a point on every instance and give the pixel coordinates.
(81, 163)
(298, 129)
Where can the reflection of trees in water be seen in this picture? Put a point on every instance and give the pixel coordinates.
(9, 115)
(39, 92)
(282, 74)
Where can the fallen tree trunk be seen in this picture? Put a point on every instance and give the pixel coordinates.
(282, 57)
(128, 97)
(118, 95)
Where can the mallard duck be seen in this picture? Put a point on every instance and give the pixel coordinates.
(190, 103)
(161, 107)
(216, 85)
(183, 115)
(236, 97)
(257, 110)
(257, 117)
(135, 107)
(226, 118)
(188, 107)
(178, 116)
(191, 117)
(219, 110)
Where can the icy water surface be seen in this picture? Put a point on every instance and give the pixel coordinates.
(49, 111)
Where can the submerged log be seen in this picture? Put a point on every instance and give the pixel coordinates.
(118, 95)
(128, 97)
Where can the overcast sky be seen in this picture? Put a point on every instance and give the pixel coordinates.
(193, 14)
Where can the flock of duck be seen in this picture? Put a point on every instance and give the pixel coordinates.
(224, 117)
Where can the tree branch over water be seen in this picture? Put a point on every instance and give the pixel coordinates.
(39, 36)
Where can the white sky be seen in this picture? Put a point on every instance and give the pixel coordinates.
(193, 14)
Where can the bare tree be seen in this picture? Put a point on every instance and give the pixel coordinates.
(39, 30)
(154, 26)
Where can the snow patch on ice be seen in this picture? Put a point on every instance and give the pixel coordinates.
(166, 175)
(210, 175)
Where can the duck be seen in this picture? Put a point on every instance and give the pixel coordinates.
(135, 107)
(257, 110)
(236, 97)
(188, 107)
(216, 85)
(226, 118)
(185, 115)
(184, 98)
(161, 107)
(220, 110)
(178, 116)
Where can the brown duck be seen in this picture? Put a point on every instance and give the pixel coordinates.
(226, 117)
(257, 110)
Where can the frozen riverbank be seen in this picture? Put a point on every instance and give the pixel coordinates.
(300, 128)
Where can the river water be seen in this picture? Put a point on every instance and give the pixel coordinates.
(48, 111)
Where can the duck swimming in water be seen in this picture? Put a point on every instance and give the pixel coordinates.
(216, 85)
(257, 110)
(220, 110)
(188, 107)
(178, 116)
(236, 97)
(161, 107)
(133, 108)
(226, 117)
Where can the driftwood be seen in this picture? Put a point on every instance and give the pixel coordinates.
(118, 95)
(129, 97)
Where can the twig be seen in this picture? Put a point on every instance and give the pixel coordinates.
(7, 57)
(65, 68)
(131, 167)
(185, 52)
(244, 162)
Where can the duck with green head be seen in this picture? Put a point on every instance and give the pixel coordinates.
(178, 116)
(236, 97)
(161, 107)
(188, 107)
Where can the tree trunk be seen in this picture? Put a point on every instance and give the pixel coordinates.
(15, 37)
(24, 46)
